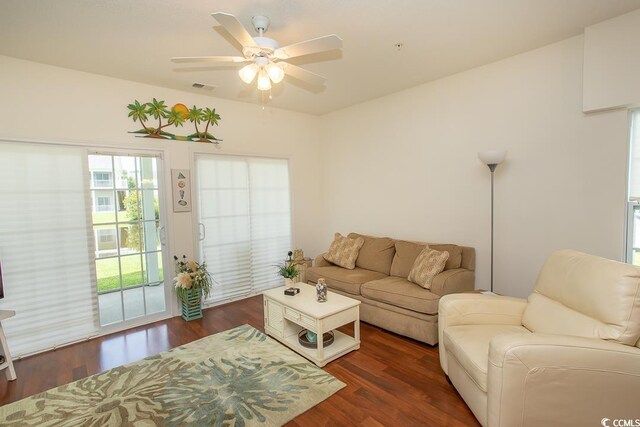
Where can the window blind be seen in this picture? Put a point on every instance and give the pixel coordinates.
(44, 246)
(244, 205)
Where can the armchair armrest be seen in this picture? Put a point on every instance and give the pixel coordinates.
(476, 309)
(541, 379)
(480, 309)
(321, 262)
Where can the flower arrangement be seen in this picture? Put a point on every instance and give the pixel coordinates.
(288, 269)
(191, 275)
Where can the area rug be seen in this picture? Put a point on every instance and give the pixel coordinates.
(239, 377)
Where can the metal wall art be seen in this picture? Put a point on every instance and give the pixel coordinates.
(176, 116)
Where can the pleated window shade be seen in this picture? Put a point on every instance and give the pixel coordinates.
(245, 207)
(45, 248)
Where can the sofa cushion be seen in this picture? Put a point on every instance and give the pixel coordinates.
(428, 265)
(376, 253)
(400, 292)
(469, 344)
(455, 254)
(348, 281)
(405, 257)
(344, 251)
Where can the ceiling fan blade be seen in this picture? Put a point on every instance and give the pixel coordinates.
(182, 59)
(235, 28)
(321, 44)
(302, 74)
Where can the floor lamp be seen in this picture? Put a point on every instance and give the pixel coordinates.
(492, 159)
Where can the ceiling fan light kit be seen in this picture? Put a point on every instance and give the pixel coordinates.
(264, 82)
(276, 73)
(266, 71)
(266, 57)
(248, 73)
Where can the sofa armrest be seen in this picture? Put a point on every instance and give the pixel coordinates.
(453, 281)
(476, 309)
(321, 262)
(541, 379)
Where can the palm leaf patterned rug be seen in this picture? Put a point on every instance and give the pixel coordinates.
(239, 377)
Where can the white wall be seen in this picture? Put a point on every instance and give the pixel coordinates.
(54, 104)
(406, 165)
(612, 63)
(403, 165)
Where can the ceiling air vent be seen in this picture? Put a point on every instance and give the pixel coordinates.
(203, 86)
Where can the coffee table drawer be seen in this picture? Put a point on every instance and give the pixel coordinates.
(299, 318)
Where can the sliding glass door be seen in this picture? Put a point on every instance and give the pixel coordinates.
(81, 243)
(244, 212)
(126, 223)
(45, 247)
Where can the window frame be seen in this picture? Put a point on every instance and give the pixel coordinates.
(102, 207)
(632, 205)
(95, 182)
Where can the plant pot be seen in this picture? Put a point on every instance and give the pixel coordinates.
(192, 304)
(288, 282)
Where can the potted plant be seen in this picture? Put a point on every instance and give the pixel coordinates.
(289, 270)
(192, 282)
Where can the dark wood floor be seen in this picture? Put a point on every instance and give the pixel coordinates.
(391, 380)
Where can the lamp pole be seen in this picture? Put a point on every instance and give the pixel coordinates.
(492, 168)
(492, 159)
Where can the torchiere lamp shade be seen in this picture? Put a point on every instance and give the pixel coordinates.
(492, 157)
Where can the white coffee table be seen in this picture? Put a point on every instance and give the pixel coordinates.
(285, 316)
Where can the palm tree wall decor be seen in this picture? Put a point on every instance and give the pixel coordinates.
(176, 116)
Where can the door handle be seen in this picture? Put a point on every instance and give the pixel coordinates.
(203, 231)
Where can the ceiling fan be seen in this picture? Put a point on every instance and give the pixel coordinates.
(267, 60)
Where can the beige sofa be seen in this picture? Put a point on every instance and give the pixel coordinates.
(567, 356)
(380, 282)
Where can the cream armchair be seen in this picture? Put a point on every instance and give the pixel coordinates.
(567, 356)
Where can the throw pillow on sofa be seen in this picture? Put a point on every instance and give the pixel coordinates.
(428, 265)
(344, 251)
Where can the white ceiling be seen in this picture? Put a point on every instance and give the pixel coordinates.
(134, 40)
